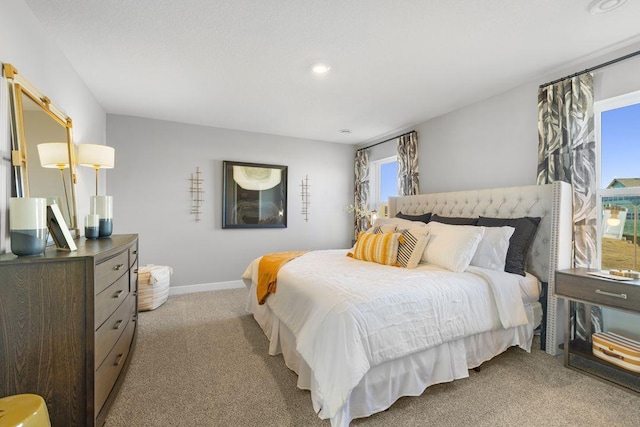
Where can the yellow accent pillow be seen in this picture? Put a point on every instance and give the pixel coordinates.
(379, 248)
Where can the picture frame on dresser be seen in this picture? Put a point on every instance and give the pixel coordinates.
(58, 229)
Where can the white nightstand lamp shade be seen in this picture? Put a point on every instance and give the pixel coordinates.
(96, 156)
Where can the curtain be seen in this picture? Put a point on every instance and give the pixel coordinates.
(408, 182)
(567, 152)
(361, 191)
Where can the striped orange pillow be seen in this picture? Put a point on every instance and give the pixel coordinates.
(379, 248)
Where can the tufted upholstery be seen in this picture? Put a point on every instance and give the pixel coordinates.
(551, 247)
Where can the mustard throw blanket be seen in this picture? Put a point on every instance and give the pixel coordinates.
(268, 272)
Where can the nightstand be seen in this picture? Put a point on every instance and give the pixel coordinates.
(575, 285)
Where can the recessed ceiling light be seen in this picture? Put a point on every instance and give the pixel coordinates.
(321, 68)
(599, 7)
(345, 131)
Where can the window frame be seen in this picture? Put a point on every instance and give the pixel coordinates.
(599, 107)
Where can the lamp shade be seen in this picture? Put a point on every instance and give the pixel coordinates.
(54, 155)
(96, 156)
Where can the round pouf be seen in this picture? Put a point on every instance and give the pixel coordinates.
(24, 410)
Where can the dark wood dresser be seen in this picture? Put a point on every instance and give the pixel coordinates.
(68, 324)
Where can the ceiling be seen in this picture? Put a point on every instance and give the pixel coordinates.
(246, 64)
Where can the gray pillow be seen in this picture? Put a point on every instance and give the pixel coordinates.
(525, 230)
(453, 220)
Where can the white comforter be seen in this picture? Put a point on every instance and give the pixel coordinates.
(349, 315)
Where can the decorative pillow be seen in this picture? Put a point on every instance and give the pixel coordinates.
(412, 247)
(404, 224)
(454, 220)
(422, 218)
(379, 229)
(452, 246)
(492, 249)
(380, 248)
(525, 230)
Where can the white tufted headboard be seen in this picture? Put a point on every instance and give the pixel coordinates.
(551, 247)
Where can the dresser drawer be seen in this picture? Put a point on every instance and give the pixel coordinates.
(110, 299)
(598, 291)
(133, 254)
(107, 373)
(111, 330)
(110, 270)
(133, 278)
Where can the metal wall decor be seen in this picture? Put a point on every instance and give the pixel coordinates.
(196, 194)
(304, 194)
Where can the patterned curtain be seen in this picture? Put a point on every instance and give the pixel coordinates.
(361, 191)
(408, 182)
(567, 152)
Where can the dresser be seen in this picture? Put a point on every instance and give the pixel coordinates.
(68, 324)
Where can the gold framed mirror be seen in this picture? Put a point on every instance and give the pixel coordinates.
(42, 148)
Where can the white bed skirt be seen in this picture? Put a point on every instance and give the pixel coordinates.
(409, 375)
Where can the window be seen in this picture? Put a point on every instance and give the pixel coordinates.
(617, 126)
(383, 183)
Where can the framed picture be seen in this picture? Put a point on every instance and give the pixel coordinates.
(59, 230)
(254, 195)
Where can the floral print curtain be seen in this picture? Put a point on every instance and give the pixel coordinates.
(408, 182)
(567, 152)
(361, 191)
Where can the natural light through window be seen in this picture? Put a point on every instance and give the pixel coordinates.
(383, 183)
(618, 134)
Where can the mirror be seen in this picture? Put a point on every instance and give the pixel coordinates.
(254, 195)
(43, 154)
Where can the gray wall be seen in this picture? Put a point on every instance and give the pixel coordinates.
(150, 186)
(27, 46)
(494, 143)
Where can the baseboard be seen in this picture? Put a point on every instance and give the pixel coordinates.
(205, 287)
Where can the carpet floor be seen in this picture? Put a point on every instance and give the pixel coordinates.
(201, 360)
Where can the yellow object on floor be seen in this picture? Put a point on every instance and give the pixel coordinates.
(24, 410)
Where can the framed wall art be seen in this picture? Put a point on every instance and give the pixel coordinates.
(254, 195)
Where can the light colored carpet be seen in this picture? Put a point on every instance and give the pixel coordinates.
(202, 361)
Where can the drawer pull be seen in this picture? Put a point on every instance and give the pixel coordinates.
(118, 359)
(117, 324)
(117, 294)
(118, 267)
(135, 252)
(611, 294)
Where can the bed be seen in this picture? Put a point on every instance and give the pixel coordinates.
(360, 335)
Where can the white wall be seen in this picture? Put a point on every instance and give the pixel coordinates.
(27, 46)
(150, 186)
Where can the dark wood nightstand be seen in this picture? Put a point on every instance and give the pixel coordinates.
(575, 285)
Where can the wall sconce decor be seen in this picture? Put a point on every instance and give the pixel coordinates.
(304, 194)
(196, 194)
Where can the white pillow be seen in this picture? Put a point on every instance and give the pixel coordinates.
(402, 224)
(452, 246)
(492, 250)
